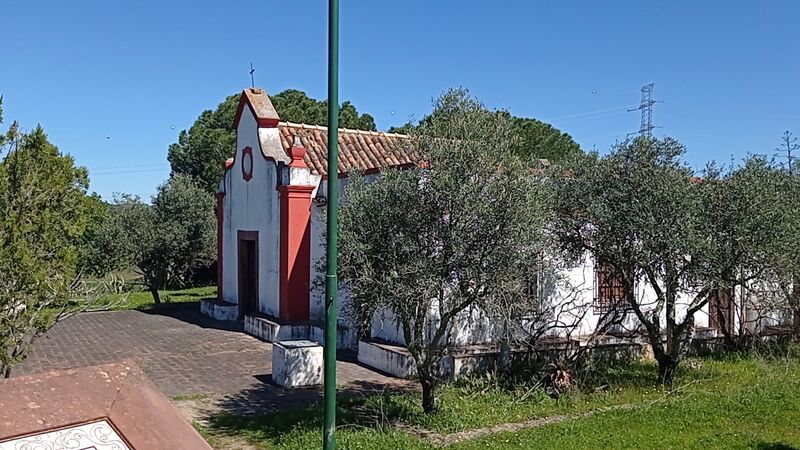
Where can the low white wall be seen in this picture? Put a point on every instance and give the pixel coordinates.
(566, 311)
(393, 362)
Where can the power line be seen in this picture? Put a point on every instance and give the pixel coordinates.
(116, 172)
(589, 113)
(127, 166)
(616, 133)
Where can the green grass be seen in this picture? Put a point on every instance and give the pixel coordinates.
(195, 396)
(141, 299)
(723, 403)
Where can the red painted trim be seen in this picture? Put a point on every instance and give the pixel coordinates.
(233, 162)
(265, 123)
(247, 152)
(240, 108)
(295, 252)
(297, 189)
(262, 122)
(220, 211)
(297, 154)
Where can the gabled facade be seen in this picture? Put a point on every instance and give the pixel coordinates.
(270, 216)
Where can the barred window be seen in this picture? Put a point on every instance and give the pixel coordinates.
(609, 291)
(533, 284)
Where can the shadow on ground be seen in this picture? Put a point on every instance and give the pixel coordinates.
(189, 312)
(269, 410)
(267, 397)
(775, 446)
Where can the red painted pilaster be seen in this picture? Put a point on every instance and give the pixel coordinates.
(295, 229)
(295, 252)
(220, 212)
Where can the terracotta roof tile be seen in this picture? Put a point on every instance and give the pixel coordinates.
(358, 149)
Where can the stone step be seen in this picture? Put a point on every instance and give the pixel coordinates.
(269, 330)
(219, 310)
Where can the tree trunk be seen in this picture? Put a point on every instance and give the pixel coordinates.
(667, 365)
(428, 394)
(797, 322)
(156, 296)
(6, 371)
(505, 357)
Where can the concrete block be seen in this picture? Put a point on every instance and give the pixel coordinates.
(346, 338)
(219, 310)
(272, 331)
(297, 363)
(390, 359)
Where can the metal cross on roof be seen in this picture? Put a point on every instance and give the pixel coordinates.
(252, 80)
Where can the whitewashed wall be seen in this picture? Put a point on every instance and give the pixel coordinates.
(256, 206)
(765, 306)
(252, 206)
(568, 295)
(318, 241)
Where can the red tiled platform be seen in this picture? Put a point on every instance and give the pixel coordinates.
(118, 393)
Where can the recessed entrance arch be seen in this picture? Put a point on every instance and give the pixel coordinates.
(248, 272)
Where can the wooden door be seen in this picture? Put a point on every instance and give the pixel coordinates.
(720, 311)
(248, 272)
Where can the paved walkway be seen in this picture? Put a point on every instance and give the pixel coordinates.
(185, 354)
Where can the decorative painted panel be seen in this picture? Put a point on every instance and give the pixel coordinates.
(91, 436)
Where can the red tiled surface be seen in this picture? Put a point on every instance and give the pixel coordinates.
(118, 392)
(365, 150)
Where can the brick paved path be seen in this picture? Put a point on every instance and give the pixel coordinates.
(183, 353)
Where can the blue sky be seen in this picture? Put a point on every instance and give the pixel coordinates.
(109, 80)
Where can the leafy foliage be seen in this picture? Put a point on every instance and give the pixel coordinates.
(543, 141)
(93, 260)
(166, 241)
(641, 210)
(42, 218)
(202, 150)
(295, 106)
(428, 245)
(185, 223)
(534, 139)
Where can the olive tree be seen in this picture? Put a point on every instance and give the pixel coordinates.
(787, 269)
(165, 242)
(642, 211)
(453, 236)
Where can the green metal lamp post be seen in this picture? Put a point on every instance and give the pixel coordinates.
(332, 231)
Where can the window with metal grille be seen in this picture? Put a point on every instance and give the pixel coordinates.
(609, 292)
